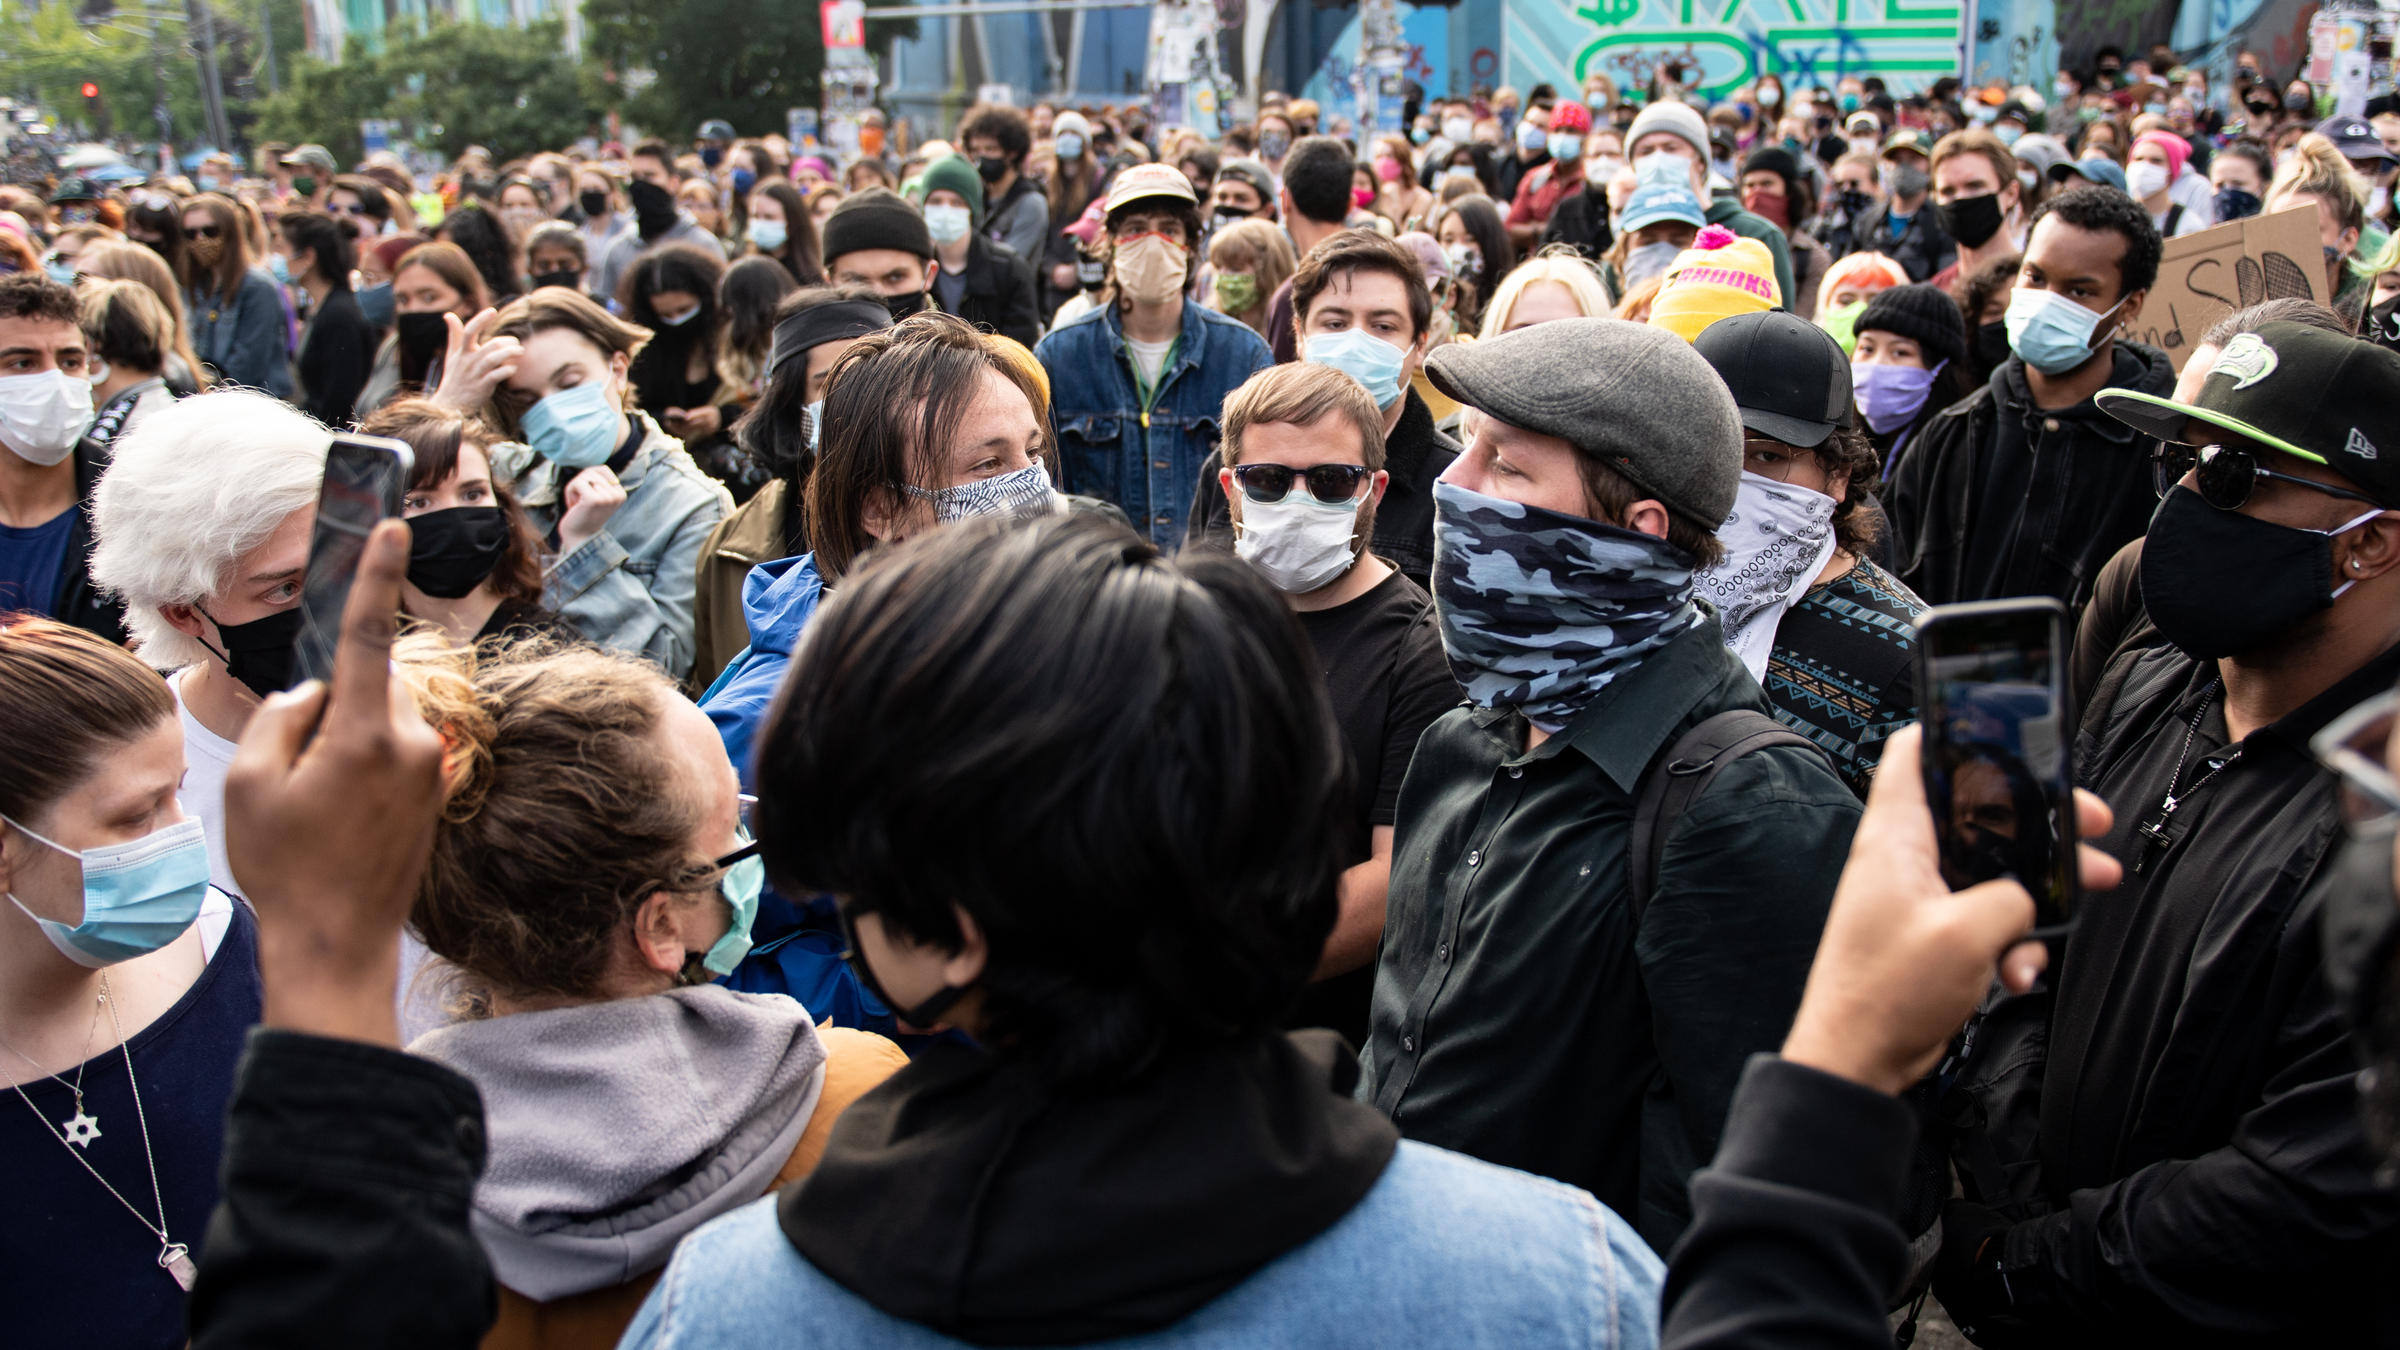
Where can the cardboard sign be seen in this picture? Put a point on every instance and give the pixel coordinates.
(2205, 276)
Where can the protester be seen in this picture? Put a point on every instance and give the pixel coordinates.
(128, 335)
(751, 295)
(2240, 173)
(1475, 243)
(673, 291)
(1315, 200)
(1541, 290)
(1677, 130)
(1581, 220)
(2026, 488)
(1249, 261)
(1904, 228)
(1907, 364)
(1775, 190)
(657, 219)
(237, 321)
(431, 285)
(337, 344)
(1539, 192)
(47, 471)
(1074, 185)
(1660, 219)
(1847, 287)
(1136, 387)
(129, 982)
(1979, 202)
(2317, 175)
(120, 261)
(980, 281)
(2152, 166)
(1016, 211)
(877, 240)
(1718, 276)
(1605, 456)
(780, 227)
(555, 256)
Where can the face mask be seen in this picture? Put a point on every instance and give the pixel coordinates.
(376, 304)
(1778, 538)
(653, 208)
(1237, 292)
(1465, 260)
(1299, 544)
(1530, 137)
(1849, 103)
(1603, 169)
(2052, 333)
(1773, 207)
(304, 184)
(1150, 268)
(1853, 202)
(279, 269)
(1889, 397)
(948, 224)
(904, 304)
(1566, 147)
(263, 654)
(1070, 146)
(1362, 198)
(1273, 145)
(206, 253)
(2143, 179)
(815, 413)
(925, 1015)
(991, 168)
(42, 415)
(1649, 260)
(1605, 597)
(1991, 343)
(576, 428)
(2298, 101)
(1363, 357)
(1903, 180)
(711, 156)
(742, 180)
(1972, 221)
(451, 551)
(209, 182)
(61, 272)
(137, 896)
(1842, 323)
(2008, 132)
(594, 204)
(1457, 130)
(422, 336)
(2220, 583)
(1460, 174)
(741, 886)
(1026, 492)
(1090, 273)
(2233, 203)
(567, 278)
(767, 235)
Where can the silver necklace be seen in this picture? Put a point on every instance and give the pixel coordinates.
(82, 1128)
(173, 1257)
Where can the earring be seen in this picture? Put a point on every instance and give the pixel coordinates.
(2354, 564)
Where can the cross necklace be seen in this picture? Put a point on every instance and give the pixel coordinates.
(2156, 839)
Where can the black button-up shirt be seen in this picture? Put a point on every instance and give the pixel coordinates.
(1518, 1015)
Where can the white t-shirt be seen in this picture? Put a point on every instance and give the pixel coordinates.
(206, 757)
(1150, 358)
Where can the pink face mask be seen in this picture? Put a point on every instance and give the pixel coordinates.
(1387, 169)
(1364, 197)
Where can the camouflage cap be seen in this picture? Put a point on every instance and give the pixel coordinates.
(1636, 398)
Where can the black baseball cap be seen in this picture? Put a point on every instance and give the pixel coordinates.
(2318, 396)
(1790, 379)
(2357, 141)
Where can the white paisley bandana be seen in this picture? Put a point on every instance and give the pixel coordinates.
(1777, 540)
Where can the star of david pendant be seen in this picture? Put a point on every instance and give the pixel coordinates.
(82, 1129)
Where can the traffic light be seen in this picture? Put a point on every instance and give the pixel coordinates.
(91, 90)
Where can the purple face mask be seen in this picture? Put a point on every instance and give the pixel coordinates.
(1888, 396)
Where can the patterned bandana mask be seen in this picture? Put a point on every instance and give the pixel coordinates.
(1027, 492)
(1541, 610)
(1776, 541)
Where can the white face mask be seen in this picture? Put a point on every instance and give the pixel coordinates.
(1299, 544)
(42, 415)
(948, 224)
(2142, 178)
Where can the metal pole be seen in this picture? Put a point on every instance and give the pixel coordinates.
(266, 39)
(212, 88)
(158, 93)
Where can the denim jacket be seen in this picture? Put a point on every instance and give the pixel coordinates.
(631, 585)
(1108, 448)
(1444, 1251)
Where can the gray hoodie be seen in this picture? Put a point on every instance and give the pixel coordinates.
(618, 1127)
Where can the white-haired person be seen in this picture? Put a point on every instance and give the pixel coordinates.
(201, 527)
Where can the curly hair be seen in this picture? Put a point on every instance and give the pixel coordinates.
(1848, 455)
(2104, 210)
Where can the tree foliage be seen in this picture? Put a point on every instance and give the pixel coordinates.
(457, 84)
(742, 60)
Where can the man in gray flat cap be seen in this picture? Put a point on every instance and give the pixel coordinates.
(1528, 1009)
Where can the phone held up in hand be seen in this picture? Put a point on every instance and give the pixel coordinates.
(365, 477)
(1999, 737)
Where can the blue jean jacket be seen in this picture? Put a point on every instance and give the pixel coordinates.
(1108, 448)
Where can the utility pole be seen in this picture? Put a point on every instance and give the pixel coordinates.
(266, 40)
(212, 88)
(158, 96)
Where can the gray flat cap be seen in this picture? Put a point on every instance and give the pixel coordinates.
(1638, 398)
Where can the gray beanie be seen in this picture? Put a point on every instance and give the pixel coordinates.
(1680, 120)
(1636, 398)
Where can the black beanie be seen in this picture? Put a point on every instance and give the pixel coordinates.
(1774, 159)
(875, 218)
(1925, 315)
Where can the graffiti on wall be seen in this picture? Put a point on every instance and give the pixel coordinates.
(1910, 43)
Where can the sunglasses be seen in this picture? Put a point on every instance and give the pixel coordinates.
(1335, 483)
(2353, 746)
(2226, 476)
(205, 232)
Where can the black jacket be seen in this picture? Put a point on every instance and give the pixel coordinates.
(1000, 292)
(1581, 219)
(1414, 455)
(78, 601)
(1997, 497)
(1923, 249)
(337, 349)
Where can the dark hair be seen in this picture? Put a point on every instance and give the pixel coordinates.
(67, 698)
(774, 432)
(1006, 126)
(1848, 454)
(162, 215)
(2106, 210)
(1976, 288)
(372, 197)
(33, 295)
(1144, 892)
(1480, 217)
(2255, 151)
(126, 324)
(488, 242)
(435, 433)
(320, 235)
(1317, 172)
(691, 268)
(892, 405)
(751, 295)
(801, 251)
(1361, 251)
(1613, 494)
(654, 148)
(1203, 155)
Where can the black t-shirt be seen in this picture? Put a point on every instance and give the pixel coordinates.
(1389, 679)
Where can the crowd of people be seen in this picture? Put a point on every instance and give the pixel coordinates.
(1058, 735)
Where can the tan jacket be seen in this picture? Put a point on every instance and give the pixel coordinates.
(753, 534)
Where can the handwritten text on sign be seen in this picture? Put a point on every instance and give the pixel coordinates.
(2202, 277)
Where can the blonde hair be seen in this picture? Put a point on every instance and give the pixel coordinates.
(1564, 268)
(1299, 393)
(122, 260)
(1258, 247)
(2317, 169)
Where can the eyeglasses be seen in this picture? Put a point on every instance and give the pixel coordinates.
(749, 836)
(1265, 483)
(2353, 746)
(205, 231)
(2227, 476)
(1770, 458)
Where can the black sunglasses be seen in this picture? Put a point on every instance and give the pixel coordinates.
(205, 232)
(2227, 476)
(1326, 482)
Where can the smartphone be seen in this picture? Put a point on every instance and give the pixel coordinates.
(365, 477)
(1999, 738)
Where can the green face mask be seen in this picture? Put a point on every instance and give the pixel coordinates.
(1843, 324)
(304, 184)
(1237, 292)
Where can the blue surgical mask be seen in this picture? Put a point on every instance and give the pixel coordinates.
(743, 881)
(208, 182)
(2008, 132)
(1363, 357)
(948, 224)
(1070, 146)
(1889, 396)
(377, 304)
(576, 428)
(2052, 333)
(61, 272)
(1565, 146)
(279, 269)
(768, 235)
(137, 896)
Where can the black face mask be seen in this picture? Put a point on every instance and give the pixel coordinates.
(2236, 204)
(1854, 202)
(423, 336)
(1972, 221)
(593, 203)
(264, 654)
(2219, 583)
(2383, 324)
(991, 168)
(925, 1015)
(451, 551)
(1991, 344)
(1089, 273)
(903, 305)
(653, 208)
(568, 279)
(1224, 216)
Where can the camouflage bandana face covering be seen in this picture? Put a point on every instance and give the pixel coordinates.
(1541, 610)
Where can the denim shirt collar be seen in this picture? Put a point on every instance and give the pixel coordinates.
(1191, 341)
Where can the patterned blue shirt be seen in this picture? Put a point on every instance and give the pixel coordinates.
(1844, 669)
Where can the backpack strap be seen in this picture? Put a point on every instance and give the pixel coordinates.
(1678, 776)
